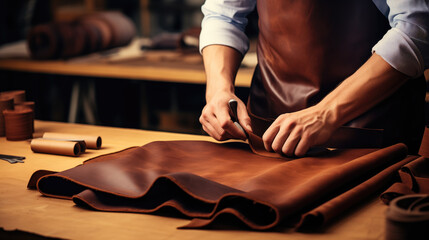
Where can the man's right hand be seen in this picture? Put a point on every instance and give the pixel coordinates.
(221, 64)
(216, 120)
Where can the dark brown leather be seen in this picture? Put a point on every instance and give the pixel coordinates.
(210, 182)
(306, 48)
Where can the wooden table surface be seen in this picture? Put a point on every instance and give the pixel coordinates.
(26, 210)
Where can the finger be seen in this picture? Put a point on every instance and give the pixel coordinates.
(211, 125)
(208, 128)
(243, 118)
(280, 139)
(225, 127)
(303, 145)
(291, 142)
(214, 134)
(228, 125)
(269, 136)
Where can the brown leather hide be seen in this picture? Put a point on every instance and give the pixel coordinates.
(209, 181)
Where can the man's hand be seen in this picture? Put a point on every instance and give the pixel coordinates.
(292, 134)
(216, 120)
(221, 64)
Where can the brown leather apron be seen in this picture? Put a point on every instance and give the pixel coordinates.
(307, 47)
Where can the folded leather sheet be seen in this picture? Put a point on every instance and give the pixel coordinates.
(209, 182)
(414, 176)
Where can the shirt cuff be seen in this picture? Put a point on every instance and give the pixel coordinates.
(223, 33)
(400, 52)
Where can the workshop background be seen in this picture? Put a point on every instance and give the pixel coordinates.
(119, 102)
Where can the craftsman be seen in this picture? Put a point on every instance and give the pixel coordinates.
(321, 65)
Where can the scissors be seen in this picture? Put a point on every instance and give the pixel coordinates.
(12, 159)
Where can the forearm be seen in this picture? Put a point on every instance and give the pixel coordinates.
(294, 133)
(221, 64)
(370, 84)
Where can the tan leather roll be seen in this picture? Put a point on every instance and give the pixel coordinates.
(51, 146)
(6, 103)
(91, 141)
(18, 124)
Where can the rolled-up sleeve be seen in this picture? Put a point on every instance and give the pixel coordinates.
(224, 23)
(406, 45)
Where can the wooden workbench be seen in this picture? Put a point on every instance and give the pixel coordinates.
(26, 210)
(149, 73)
(128, 62)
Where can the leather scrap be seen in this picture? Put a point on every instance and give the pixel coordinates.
(413, 177)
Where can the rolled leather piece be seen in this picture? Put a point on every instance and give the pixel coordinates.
(121, 27)
(91, 141)
(44, 41)
(81, 143)
(6, 103)
(81, 39)
(93, 36)
(17, 95)
(18, 124)
(73, 39)
(87, 34)
(68, 148)
(325, 213)
(103, 28)
(408, 218)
